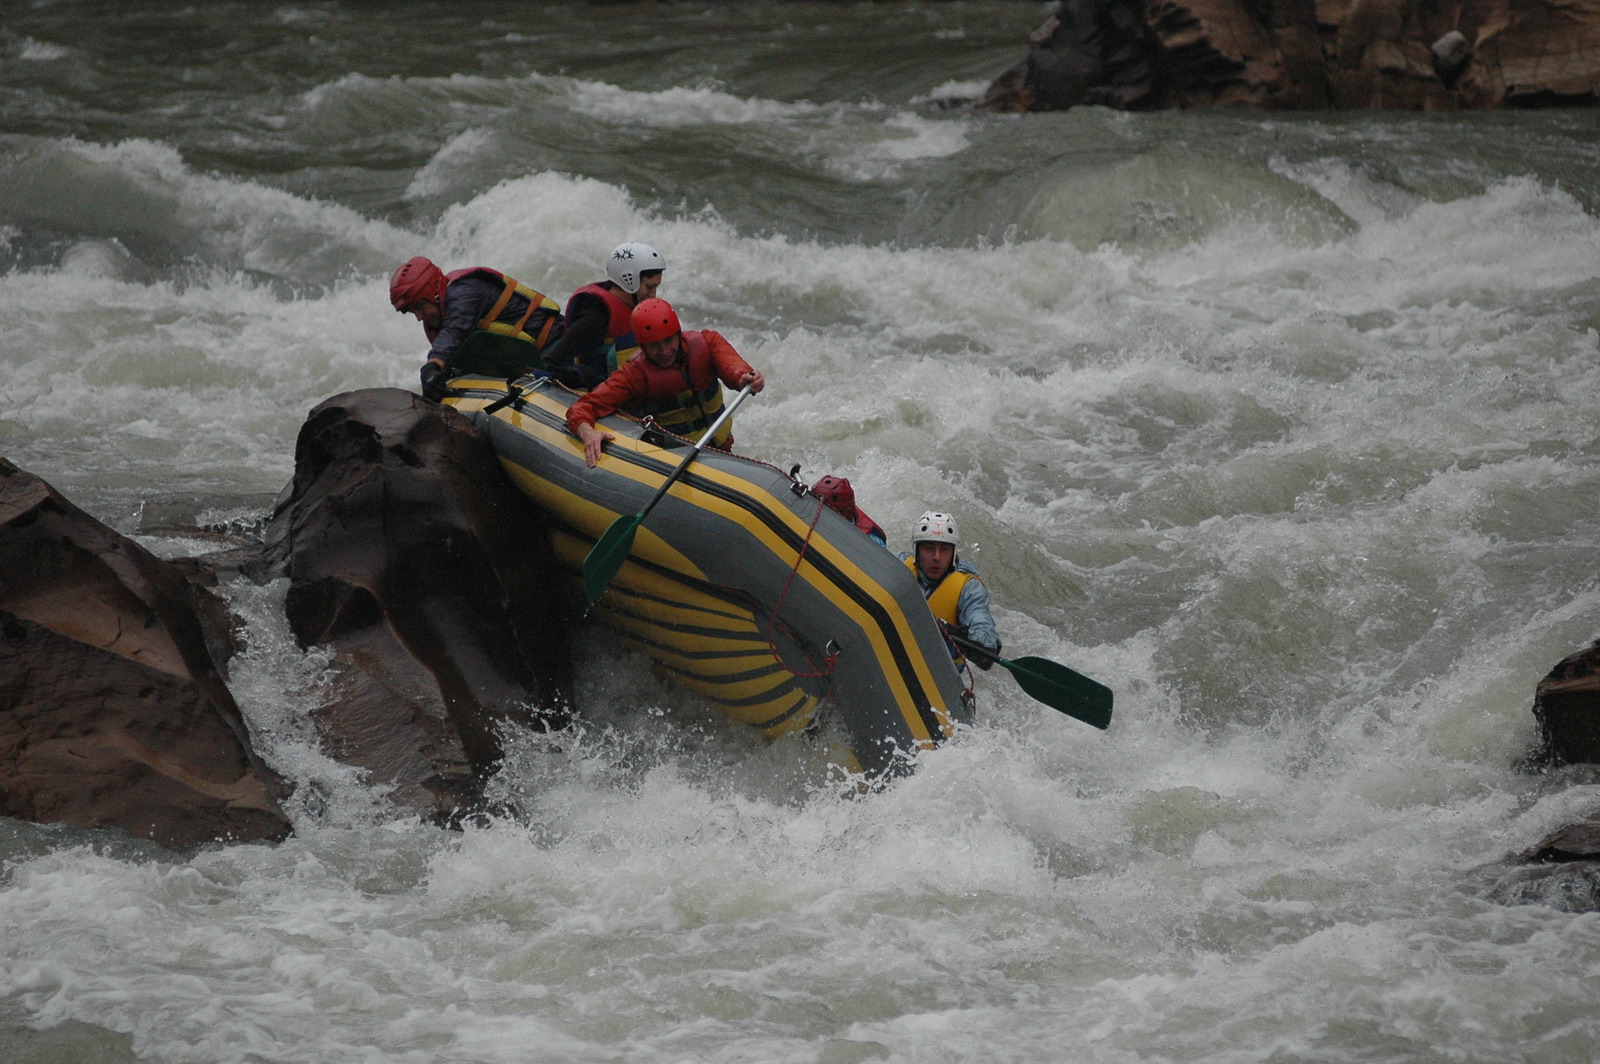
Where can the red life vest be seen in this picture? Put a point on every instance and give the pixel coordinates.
(870, 527)
(619, 329)
(686, 397)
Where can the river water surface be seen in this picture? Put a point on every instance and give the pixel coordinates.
(1282, 426)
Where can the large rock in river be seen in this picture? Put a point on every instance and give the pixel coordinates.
(113, 710)
(1566, 704)
(410, 553)
(1308, 55)
(1563, 868)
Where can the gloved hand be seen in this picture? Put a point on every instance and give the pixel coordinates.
(434, 381)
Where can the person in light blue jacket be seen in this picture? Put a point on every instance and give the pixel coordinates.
(955, 594)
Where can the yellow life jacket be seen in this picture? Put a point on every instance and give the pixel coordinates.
(945, 598)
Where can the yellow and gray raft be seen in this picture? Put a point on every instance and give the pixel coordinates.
(745, 587)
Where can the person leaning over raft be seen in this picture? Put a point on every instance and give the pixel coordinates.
(477, 320)
(599, 319)
(841, 497)
(956, 596)
(678, 381)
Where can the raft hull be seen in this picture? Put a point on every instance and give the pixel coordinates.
(745, 588)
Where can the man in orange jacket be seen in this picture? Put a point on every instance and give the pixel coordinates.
(678, 382)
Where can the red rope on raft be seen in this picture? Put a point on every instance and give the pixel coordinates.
(828, 662)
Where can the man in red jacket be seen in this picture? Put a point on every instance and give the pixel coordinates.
(678, 382)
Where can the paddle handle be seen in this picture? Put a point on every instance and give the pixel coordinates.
(976, 651)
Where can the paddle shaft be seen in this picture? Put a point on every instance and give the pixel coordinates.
(1049, 682)
(605, 558)
(699, 445)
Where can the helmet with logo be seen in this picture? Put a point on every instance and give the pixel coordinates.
(838, 494)
(934, 527)
(630, 260)
(416, 279)
(654, 319)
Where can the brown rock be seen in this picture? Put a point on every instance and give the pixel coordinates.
(412, 554)
(1308, 55)
(1566, 703)
(113, 711)
(1575, 842)
(1562, 871)
(1570, 886)
(1088, 52)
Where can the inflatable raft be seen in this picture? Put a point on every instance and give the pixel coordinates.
(741, 584)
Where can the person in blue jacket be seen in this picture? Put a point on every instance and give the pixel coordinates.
(477, 320)
(955, 594)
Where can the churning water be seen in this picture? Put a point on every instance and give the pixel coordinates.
(1284, 427)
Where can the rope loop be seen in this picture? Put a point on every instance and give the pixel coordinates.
(829, 660)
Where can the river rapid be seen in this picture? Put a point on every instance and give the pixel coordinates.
(1284, 427)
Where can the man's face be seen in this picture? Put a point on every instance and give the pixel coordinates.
(662, 352)
(935, 559)
(428, 313)
(649, 281)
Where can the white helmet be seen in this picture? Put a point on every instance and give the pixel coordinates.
(628, 261)
(934, 527)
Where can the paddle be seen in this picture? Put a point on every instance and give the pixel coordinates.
(1050, 682)
(611, 550)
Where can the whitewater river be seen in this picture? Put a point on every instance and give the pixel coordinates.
(1284, 427)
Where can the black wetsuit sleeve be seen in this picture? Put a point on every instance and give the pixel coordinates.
(578, 358)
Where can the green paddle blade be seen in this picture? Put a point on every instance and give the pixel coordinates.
(1050, 682)
(600, 565)
(1061, 688)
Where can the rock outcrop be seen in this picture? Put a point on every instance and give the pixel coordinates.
(1566, 704)
(1308, 55)
(1562, 870)
(113, 707)
(410, 553)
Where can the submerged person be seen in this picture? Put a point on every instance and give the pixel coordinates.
(477, 319)
(599, 335)
(841, 497)
(677, 380)
(956, 596)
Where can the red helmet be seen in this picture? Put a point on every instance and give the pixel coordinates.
(654, 319)
(837, 493)
(416, 279)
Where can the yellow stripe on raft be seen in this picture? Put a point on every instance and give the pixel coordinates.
(773, 718)
(909, 710)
